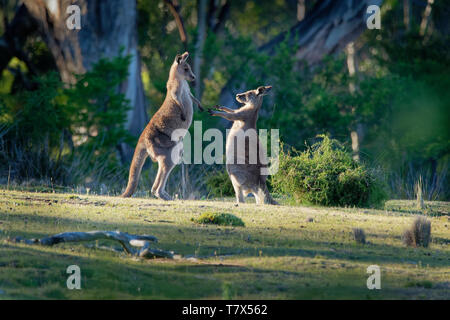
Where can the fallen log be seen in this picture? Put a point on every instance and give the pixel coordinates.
(129, 242)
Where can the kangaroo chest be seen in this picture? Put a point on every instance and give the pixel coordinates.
(186, 102)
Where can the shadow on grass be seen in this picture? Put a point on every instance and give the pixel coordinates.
(184, 240)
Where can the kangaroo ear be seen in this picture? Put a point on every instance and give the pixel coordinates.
(181, 58)
(263, 90)
(178, 58)
(184, 56)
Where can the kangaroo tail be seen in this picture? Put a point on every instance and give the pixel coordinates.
(140, 154)
(271, 201)
(268, 197)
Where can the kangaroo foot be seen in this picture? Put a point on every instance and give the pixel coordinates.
(162, 195)
(167, 196)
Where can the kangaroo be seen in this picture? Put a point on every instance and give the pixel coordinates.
(244, 152)
(176, 112)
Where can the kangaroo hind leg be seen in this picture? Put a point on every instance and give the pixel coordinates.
(238, 190)
(165, 166)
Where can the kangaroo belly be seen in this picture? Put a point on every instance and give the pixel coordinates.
(186, 101)
(166, 128)
(244, 147)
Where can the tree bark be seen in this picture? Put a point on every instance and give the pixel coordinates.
(407, 14)
(107, 27)
(201, 33)
(301, 10)
(426, 18)
(327, 29)
(356, 132)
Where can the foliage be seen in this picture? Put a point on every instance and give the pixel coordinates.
(66, 134)
(400, 100)
(219, 218)
(326, 174)
(99, 113)
(34, 124)
(219, 184)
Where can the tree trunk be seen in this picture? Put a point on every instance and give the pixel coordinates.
(356, 133)
(107, 27)
(357, 136)
(301, 10)
(327, 29)
(426, 18)
(407, 14)
(201, 33)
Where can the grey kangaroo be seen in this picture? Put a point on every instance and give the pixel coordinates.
(245, 155)
(156, 141)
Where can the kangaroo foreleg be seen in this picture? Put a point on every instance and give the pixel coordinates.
(229, 116)
(224, 109)
(197, 102)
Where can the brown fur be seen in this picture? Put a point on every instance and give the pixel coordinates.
(176, 112)
(246, 175)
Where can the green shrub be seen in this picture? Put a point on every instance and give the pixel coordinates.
(67, 134)
(326, 174)
(219, 184)
(223, 219)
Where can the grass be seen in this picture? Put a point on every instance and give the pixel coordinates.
(282, 252)
(219, 218)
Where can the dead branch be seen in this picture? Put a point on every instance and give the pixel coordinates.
(129, 242)
(174, 8)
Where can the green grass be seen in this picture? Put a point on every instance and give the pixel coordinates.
(281, 253)
(219, 218)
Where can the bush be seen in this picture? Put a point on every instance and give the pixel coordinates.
(67, 135)
(219, 184)
(419, 234)
(326, 174)
(224, 219)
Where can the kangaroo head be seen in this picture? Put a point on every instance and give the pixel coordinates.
(183, 69)
(253, 96)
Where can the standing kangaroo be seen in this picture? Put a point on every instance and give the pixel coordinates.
(245, 155)
(156, 141)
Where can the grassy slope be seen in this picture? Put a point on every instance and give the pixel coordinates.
(278, 254)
